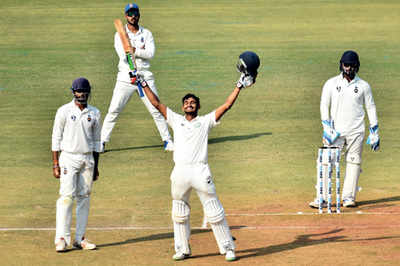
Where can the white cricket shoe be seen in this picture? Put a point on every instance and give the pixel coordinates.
(180, 256)
(168, 145)
(230, 255)
(85, 244)
(349, 203)
(61, 245)
(315, 204)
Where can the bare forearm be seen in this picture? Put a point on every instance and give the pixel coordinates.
(228, 104)
(155, 101)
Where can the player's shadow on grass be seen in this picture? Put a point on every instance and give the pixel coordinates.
(237, 138)
(378, 203)
(159, 237)
(305, 241)
(299, 242)
(210, 141)
(150, 238)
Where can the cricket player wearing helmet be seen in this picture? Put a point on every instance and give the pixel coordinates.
(191, 169)
(142, 41)
(76, 134)
(342, 114)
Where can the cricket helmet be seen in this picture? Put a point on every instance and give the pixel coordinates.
(248, 63)
(350, 57)
(81, 85)
(134, 7)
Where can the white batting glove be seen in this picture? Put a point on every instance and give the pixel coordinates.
(141, 81)
(330, 134)
(373, 138)
(244, 81)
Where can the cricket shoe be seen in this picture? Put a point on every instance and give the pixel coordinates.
(61, 245)
(168, 145)
(230, 255)
(181, 256)
(315, 204)
(85, 244)
(349, 203)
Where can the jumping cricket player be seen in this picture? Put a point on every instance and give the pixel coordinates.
(143, 45)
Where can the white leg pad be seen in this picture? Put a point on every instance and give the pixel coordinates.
(351, 181)
(82, 215)
(180, 217)
(216, 217)
(63, 219)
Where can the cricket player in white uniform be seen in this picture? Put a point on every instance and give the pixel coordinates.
(76, 134)
(191, 169)
(342, 114)
(143, 43)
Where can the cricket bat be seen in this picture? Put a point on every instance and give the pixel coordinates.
(130, 53)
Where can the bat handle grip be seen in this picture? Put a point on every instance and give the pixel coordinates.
(134, 81)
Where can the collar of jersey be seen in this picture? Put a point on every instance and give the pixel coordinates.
(138, 32)
(355, 79)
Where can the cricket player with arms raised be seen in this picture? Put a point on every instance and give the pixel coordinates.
(142, 42)
(76, 134)
(342, 113)
(191, 169)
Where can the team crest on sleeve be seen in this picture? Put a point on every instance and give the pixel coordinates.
(142, 39)
(89, 118)
(338, 88)
(73, 117)
(65, 170)
(356, 90)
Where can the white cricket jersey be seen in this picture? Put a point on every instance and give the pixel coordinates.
(143, 41)
(191, 137)
(76, 131)
(343, 102)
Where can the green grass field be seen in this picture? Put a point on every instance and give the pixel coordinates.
(262, 155)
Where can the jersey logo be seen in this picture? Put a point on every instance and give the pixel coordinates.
(182, 124)
(73, 117)
(89, 118)
(338, 88)
(356, 90)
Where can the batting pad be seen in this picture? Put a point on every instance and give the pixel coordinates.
(223, 236)
(214, 210)
(180, 216)
(351, 181)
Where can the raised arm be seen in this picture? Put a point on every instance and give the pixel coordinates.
(152, 97)
(243, 82)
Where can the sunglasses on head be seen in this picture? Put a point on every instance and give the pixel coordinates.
(132, 12)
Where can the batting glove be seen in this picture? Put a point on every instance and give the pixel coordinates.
(373, 138)
(244, 81)
(141, 81)
(133, 77)
(330, 134)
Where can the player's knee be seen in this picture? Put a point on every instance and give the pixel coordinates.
(214, 210)
(180, 211)
(66, 200)
(353, 158)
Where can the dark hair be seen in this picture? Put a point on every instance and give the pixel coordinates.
(190, 95)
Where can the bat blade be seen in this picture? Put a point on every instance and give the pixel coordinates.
(123, 35)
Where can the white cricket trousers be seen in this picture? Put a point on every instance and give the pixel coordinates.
(184, 178)
(122, 94)
(75, 183)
